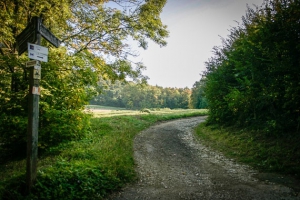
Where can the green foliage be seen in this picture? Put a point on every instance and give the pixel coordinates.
(14, 188)
(13, 132)
(55, 127)
(74, 181)
(61, 126)
(198, 99)
(94, 38)
(89, 168)
(252, 81)
(138, 96)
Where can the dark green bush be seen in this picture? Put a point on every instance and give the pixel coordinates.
(74, 181)
(13, 131)
(14, 188)
(11, 127)
(58, 126)
(55, 126)
(65, 181)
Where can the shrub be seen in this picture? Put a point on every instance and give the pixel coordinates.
(57, 126)
(74, 181)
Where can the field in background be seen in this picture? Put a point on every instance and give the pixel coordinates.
(106, 111)
(97, 107)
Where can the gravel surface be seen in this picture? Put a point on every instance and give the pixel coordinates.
(172, 164)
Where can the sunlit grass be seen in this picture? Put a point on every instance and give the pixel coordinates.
(103, 111)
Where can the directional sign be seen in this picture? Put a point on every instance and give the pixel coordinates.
(29, 34)
(37, 52)
(37, 48)
(47, 34)
(38, 56)
(33, 63)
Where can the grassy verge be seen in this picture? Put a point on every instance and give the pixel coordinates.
(90, 168)
(267, 154)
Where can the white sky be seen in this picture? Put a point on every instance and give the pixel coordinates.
(195, 27)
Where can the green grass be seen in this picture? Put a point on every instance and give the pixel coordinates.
(92, 167)
(103, 162)
(267, 154)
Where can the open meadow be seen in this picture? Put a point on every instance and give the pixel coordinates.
(105, 111)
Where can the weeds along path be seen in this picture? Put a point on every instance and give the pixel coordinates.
(172, 164)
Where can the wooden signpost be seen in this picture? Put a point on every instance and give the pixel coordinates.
(25, 41)
(29, 34)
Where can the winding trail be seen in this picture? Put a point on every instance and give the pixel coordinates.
(172, 164)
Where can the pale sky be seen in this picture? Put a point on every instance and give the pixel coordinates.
(195, 27)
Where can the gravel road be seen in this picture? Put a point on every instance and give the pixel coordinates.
(172, 164)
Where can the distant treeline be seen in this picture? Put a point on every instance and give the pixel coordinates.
(137, 96)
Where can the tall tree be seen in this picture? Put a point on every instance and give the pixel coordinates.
(94, 35)
(91, 32)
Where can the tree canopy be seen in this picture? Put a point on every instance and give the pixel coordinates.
(96, 36)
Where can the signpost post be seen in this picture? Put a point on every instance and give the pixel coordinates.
(32, 129)
(33, 33)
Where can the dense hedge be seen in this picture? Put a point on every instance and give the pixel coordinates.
(253, 79)
(13, 133)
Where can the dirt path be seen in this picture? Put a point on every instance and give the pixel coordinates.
(172, 164)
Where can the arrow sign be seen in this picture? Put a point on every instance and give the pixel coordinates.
(29, 34)
(33, 63)
(46, 33)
